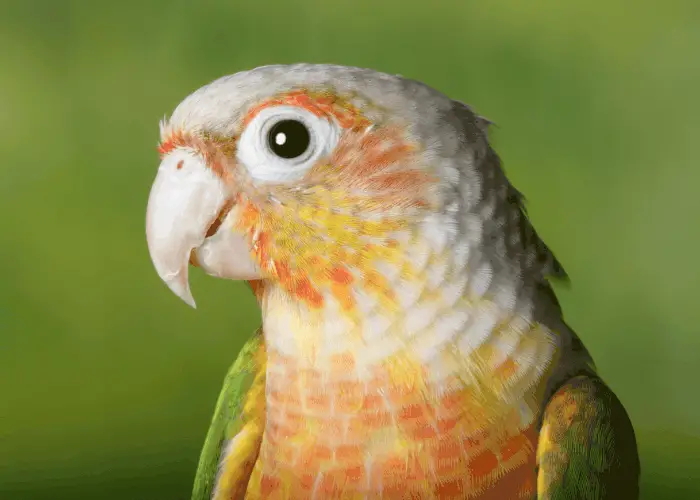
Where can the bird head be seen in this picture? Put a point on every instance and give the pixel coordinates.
(338, 187)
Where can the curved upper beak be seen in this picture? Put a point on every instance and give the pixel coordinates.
(189, 218)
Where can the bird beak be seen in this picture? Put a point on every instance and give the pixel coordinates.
(190, 220)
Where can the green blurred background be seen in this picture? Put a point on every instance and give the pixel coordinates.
(107, 381)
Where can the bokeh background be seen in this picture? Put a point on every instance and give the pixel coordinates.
(107, 380)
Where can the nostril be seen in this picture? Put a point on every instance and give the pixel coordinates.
(220, 218)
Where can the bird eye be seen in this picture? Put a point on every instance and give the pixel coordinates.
(288, 139)
(282, 142)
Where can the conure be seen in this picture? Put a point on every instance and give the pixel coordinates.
(411, 343)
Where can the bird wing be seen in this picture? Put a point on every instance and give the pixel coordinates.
(233, 440)
(587, 448)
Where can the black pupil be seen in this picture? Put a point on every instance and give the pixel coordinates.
(289, 139)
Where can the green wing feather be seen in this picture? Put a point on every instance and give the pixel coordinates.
(230, 414)
(587, 448)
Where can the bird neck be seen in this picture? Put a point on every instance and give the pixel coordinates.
(453, 339)
(350, 399)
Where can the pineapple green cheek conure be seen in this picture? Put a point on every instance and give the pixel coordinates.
(411, 346)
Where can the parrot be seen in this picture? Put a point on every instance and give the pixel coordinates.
(412, 345)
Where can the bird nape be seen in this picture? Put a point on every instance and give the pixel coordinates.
(411, 346)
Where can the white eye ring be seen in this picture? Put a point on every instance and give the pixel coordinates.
(263, 164)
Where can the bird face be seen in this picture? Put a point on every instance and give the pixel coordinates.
(342, 188)
(294, 182)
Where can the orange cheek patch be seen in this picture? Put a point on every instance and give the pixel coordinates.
(306, 283)
(314, 241)
(263, 248)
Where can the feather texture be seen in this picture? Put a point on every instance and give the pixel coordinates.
(412, 340)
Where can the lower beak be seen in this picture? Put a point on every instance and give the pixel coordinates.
(189, 218)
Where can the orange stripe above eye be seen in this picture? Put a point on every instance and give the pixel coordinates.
(318, 103)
